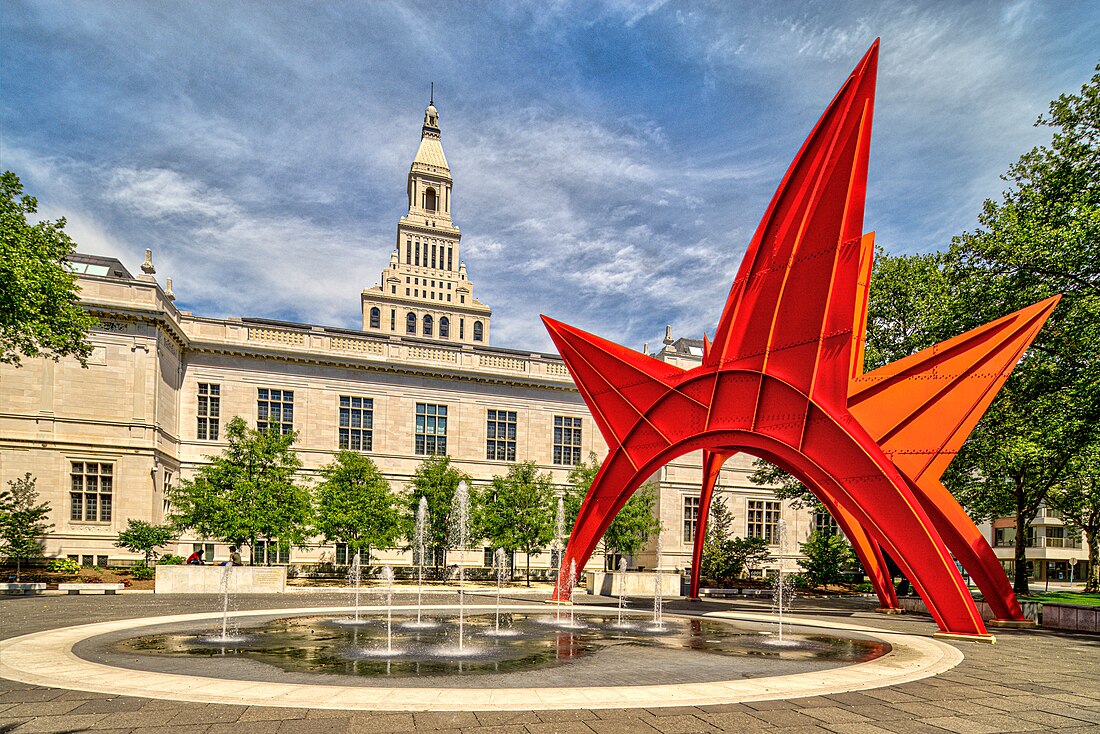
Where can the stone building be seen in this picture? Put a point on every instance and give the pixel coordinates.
(106, 441)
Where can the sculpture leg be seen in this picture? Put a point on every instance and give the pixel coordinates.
(712, 466)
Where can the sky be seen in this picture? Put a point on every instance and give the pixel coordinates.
(611, 160)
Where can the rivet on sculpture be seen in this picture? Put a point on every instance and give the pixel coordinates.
(784, 381)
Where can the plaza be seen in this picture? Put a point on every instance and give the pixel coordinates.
(990, 689)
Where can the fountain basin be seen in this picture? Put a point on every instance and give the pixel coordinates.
(47, 658)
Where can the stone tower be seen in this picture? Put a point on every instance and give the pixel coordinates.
(424, 293)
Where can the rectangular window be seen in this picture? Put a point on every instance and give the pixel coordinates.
(433, 256)
(500, 435)
(207, 551)
(209, 411)
(450, 259)
(91, 484)
(763, 520)
(416, 252)
(691, 518)
(269, 552)
(343, 558)
(393, 319)
(567, 440)
(461, 328)
(824, 523)
(275, 409)
(102, 561)
(356, 423)
(408, 253)
(431, 429)
(489, 558)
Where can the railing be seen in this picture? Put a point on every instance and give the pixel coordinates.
(1041, 542)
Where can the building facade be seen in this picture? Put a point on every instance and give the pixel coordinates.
(105, 442)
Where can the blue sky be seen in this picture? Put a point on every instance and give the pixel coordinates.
(611, 160)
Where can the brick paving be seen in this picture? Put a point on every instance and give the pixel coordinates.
(1030, 681)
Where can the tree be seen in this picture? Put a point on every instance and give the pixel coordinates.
(142, 537)
(725, 557)
(1078, 500)
(354, 505)
(516, 512)
(1041, 239)
(247, 493)
(436, 479)
(826, 557)
(40, 313)
(632, 527)
(22, 521)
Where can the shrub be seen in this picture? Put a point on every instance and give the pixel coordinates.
(63, 565)
(798, 581)
(865, 587)
(826, 557)
(141, 572)
(169, 559)
(91, 578)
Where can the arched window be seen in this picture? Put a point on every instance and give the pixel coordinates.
(410, 324)
(375, 318)
(427, 325)
(478, 333)
(444, 327)
(430, 200)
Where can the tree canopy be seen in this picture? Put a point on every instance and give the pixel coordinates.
(40, 313)
(22, 521)
(516, 512)
(355, 505)
(247, 493)
(143, 537)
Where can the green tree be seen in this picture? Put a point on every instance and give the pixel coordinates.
(436, 480)
(1077, 498)
(142, 537)
(725, 557)
(516, 511)
(355, 505)
(22, 522)
(1040, 239)
(40, 313)
(826, 557)
(632, 527)
(247, 493)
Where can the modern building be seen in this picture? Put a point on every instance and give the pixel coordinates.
(1053, 552)
(106, 441)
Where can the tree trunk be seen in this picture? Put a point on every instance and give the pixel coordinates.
(17, 569)
(1092, 584)
(1020, 576)
(528, 557)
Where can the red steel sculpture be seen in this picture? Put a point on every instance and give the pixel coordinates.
(784, 380)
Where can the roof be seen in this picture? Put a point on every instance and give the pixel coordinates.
(107, 267)
(692, 347)
(430, 153)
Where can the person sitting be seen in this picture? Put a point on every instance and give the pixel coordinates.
(234, 557)
(195, 559)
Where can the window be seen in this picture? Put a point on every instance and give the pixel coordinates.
(478, 332)
(356, 423)
(275, 409)
(462, 328)
(433, 260)
(500, 432)
(763, 520)
(567, 440)
(90, 491)
(430, 200)
(410, 324)
(450, 260)
(343, 558)
(431, 429)
(825, 524)
(691, 518)
(375, 318)
(207, 551)
(444, 327)
(209, 411)
(270, 551)
(416, 251)
(427, 325)
(408, 254)
(489, 558)
(393, 319)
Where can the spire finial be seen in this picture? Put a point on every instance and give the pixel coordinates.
(431, 95)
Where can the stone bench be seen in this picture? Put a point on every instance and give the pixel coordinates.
(80, 588)
(13, 588)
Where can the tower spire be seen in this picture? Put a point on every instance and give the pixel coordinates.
(431, 95)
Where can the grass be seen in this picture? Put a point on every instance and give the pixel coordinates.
(1064, 597)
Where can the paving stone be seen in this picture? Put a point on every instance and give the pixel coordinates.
(207, 714)
(506, 718)
(620, 713)
(566, 715)
(303, 726)
(859, 727)
(272, 713)
(833, 714)
(980, 724)
(912, 726)
(110, 705)
(30, 695)
(65, 723)
(622, 725)
(364, 722)
(42, 708)
(135, 719)
(444, 720)
(680, 724)
(182, 729)
(731, 720)
(779, 717)
(559, 727)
